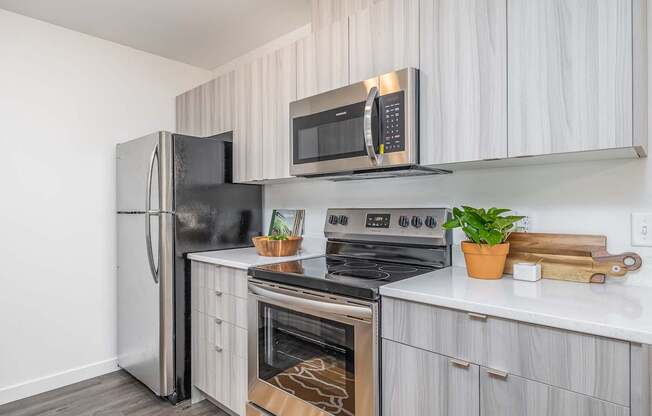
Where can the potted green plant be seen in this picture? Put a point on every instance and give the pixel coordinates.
(487, 230)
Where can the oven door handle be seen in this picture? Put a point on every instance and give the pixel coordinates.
(376, 159)
(359, 312)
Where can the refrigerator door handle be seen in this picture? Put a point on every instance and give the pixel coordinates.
(148, 213)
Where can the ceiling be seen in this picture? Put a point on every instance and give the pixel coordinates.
(204, 33)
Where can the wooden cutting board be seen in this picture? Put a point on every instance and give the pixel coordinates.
(573, 257)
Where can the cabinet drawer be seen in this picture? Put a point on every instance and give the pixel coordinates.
(227, 308)
(586, 364)
(218, 278)
(230, 338)
(516, 396)
(418, 382)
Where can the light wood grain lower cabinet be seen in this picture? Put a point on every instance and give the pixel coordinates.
(570, 75)
(384, 37)
(516, 396)
(248, 133)
(463, 80)
(207, 110)
(586, 364)
(219, 334)
(323, 60)
(280, 88)
(418, 382)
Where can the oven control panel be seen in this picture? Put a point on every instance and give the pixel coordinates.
(406, 225)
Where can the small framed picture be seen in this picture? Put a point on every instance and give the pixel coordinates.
(287, 222)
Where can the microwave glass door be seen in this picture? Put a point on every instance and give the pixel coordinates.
(332, 134)
(311, 358)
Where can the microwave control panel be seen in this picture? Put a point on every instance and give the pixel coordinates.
(392, 121)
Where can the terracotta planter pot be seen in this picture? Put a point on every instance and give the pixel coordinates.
(484, 261)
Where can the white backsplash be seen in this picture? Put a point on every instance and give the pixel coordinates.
(582, 198)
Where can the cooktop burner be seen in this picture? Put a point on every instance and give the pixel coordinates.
(334, 274)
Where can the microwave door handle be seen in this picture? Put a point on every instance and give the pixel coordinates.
(359, 312)
(376, 159)
(148, 214)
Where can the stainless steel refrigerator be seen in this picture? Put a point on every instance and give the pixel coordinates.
(174, 196)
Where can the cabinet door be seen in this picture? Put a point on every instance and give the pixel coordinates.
(188, 112)
(280, 88)
(207, 110)
(220, 105)
(515, 396)
(326, 12)
(570, 75)
(384, 38)
(418, 382)
(247, 137)
(463, 80)
(323, 60)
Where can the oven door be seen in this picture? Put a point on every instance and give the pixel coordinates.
(311, 354)
(364, 126)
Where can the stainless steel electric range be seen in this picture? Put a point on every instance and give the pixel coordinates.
(314, 324)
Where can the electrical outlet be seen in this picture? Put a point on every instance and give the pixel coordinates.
(642, 229)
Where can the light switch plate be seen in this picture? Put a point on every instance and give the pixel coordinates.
(642, 229)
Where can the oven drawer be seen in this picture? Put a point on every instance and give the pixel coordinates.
(595, 366)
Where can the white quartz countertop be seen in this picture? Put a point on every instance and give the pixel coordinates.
(243, 258)
(615, 309)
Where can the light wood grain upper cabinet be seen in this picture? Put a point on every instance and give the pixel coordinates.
(418, 382)
(570, 75)
(280, 88)
(463, 80)
(384, 37)
(326, 12)
(188, 112)
(207, 110)
(323, 60)
(221, 104)
(248, 133)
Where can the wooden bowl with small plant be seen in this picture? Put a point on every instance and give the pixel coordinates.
(277, 245)
(487, 230)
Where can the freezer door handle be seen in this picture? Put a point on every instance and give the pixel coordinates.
(148, 214)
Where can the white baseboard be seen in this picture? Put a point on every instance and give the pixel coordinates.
(54, 381)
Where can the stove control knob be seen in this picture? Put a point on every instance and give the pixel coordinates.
(333, 220)
(430, 222)
(403, 221)
(344, 219)
(417, 222)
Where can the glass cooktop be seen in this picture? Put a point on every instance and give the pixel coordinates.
(338, 275)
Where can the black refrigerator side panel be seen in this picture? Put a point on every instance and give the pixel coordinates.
(211, 214)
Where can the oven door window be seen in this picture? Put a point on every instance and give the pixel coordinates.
(309, 357)
(332, 134)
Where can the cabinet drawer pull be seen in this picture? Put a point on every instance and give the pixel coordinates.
(218, 349)
(218, 293)
(460, 363)
(497, 374)
(218, 321)
(477, 316)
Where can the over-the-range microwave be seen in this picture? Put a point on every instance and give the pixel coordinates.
(364, 130)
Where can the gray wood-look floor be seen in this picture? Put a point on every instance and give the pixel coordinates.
(114, 394)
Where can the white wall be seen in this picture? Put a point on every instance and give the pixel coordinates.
(65, 100)
(587, 197)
